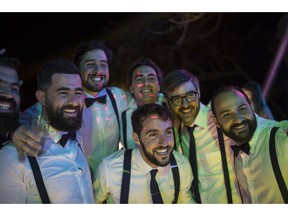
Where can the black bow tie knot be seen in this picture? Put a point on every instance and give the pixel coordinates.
(66, 137)
(90, 101)
(244, 147)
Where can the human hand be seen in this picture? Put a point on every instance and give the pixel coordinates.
(26, 141)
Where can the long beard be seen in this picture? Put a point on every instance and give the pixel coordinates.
(9, 123)
(58, 121)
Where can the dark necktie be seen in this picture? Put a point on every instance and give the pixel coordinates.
(90, 101)
(244, 147)
(66, 137)
(154, 189)
(193, 162)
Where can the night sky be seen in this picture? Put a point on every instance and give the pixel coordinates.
(220, 48)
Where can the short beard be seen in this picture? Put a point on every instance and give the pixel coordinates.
(9, 123)
(152, 158)
(252, 125)
(58, 121)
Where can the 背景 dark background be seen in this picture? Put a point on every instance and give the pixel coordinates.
(219, 48)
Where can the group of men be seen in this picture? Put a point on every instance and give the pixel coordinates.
(178, 152)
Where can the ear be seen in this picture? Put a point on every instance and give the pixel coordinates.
(41, 96)
(136, 138)
(215, 121)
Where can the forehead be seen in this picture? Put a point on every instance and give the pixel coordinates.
(8, 74)
(143, 70)
(153, 122)
(97, 54)
(229, 100)
(70, 81)
(183, 89)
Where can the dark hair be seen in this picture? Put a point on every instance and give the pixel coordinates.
(257, 97)
(141, 113)
(176, 78)
(226, 89)
(12, 62)
(86, 46)
(54, 66)
(140, 62)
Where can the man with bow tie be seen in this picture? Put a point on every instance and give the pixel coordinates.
(101, 117)
(261, 149)
(61, 173)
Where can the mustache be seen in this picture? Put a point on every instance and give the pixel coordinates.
(240, 124)
(8, 100)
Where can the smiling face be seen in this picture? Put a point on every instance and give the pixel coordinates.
(9, 91)
(235, 115)
(144, 86)
(156, 140)
(9, 100)
(63, 102)
(94, 71)
(186, 111)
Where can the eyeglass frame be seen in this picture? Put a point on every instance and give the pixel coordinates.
(185, 96)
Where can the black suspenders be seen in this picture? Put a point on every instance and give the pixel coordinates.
(224, 166)
(39, 180)
(124, 131)
(113, 104)
(224, 162)
(275, 165)
(127, 174)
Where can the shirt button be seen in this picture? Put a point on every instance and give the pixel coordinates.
(79, 171)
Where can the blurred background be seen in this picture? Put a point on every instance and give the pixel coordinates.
(219, 48)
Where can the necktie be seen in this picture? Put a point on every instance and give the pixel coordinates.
(244, 147)
(90, 101)
(193, 162)
(154, 189)
(66, 137)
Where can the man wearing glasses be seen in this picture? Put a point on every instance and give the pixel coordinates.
(198, 138)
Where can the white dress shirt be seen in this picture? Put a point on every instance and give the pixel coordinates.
(100, 130)
(254, 171)
(212, 186)
(108, 180)
(65, 173)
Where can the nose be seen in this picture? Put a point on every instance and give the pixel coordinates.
(6, 91)
(237, 118)
(163, 141)
(184, 102)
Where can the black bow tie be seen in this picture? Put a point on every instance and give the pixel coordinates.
(90, 101)
(66, 137)
(244, 147)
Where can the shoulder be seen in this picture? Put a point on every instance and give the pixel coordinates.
(180, 158)
(9, 157)
(114, 159)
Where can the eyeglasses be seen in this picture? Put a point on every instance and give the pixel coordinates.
(189, 97)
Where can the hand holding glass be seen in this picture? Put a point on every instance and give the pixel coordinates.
(40, 127)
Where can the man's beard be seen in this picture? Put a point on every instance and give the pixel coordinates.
(9, 123)
(152, 158)
(9, 120)
(58, 121)
(246, 135)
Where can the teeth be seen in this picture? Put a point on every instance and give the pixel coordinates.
(70, 110)
(162, 151)
(146, 91)
(97, 79)
(5, 106)
(186, 110)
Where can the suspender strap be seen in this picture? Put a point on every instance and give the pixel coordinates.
(124, 131)
(113, 104)
(126, 177)
(176, 177)
(224, 166)
(39, 180)
(275, 165)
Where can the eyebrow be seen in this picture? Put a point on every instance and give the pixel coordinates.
(155, 130)
(88, 60)
(13, 83)
(68, 89)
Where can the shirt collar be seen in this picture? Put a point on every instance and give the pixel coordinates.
(101, 93)
(146, 168)
(202, 116)
(56, 135)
